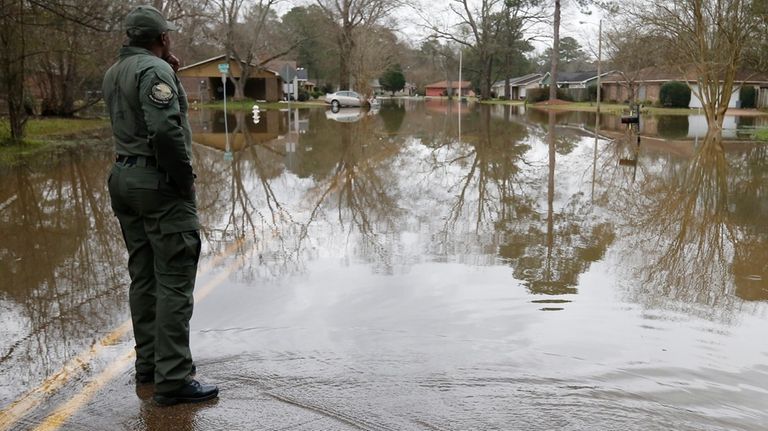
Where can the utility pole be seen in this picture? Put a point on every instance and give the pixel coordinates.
(597, 116)
(599, 61)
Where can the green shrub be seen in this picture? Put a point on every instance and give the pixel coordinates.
(675, 94)
(748, 97)
(761, 135)
(535, 95)
(303, 95)
(592, 93)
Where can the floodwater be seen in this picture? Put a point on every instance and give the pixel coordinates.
(420, 267)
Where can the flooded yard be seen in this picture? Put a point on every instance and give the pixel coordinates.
(425, 266)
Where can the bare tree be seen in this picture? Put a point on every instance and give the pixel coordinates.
(375, 51)
(630, 51)
(555, 59)
(244, 30)
(708, 37)
(354, 18)
(12, 64)
(555, 52)
(481, 27)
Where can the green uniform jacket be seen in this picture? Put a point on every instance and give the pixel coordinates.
(148, 109)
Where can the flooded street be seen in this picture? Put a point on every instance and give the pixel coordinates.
(419, 267)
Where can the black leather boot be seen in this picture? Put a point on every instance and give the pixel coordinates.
(192, 392)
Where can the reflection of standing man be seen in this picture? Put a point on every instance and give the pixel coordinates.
(153, 196)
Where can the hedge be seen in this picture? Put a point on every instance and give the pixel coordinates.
(748, 97)
(675, 94)
(535, 95)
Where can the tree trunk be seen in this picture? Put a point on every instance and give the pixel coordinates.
(344, 72)
(507, 68)
(347, 47)
(240, 88)
(245, 72)
(555, 54)
(550, 193)
(485, 89)
(12, 54)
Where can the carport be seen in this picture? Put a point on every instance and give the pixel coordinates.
(202, 81)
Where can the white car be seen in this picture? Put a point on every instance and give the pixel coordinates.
(345, 115)
(345, 98)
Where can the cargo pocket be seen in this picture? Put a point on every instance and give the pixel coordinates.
(179, 225)
(182, 240)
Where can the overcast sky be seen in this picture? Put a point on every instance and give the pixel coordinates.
(411, 25)
(582, 27)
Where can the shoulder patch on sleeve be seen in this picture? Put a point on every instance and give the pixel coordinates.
(161, 93)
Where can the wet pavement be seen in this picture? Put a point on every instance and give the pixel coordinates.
(419, 267)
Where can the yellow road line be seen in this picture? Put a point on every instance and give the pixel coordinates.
(53, 383)
(65, 411)
(33, 398)
(56, 419)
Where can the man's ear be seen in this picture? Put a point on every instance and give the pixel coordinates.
(163, 39)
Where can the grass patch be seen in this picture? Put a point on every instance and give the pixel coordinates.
(48, 127)
(619, 108)
(760, 135)
(248, 104)
(31, 149)
(45, 135)
(502, 102)
(590, 107)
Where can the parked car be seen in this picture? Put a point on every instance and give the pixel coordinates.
(345, 98)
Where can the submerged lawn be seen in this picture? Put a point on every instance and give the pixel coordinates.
(47, 127)
(46, 134)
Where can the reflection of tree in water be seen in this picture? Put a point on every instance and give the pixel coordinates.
(62, 262)
(550, 252)
(489, 156)
(497, 202)
(683, 227)
(244, 207)
(392, 115)
(750, 206)
(354, 175)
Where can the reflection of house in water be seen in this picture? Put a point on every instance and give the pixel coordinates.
(444, 106)
(208, 128)
(750, 261)
(685, 126)
(296, 123)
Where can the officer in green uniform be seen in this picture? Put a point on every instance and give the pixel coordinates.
(153, 196)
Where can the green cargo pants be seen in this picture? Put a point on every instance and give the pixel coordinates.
(160, 229)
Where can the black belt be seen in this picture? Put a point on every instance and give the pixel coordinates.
(142, 161)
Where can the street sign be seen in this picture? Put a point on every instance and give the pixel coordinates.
(224, 69)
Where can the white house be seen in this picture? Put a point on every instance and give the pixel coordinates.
(575, 79)
(518, 86)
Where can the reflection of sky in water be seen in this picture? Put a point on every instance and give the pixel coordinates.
(388, 247)
(422, 216)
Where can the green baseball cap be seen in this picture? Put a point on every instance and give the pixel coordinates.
(146, 22)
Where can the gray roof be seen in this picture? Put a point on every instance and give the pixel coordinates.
(576, 76)
(520, 80)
